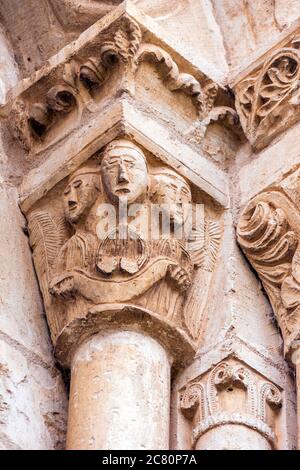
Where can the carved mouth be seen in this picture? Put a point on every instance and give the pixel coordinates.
(122, 191)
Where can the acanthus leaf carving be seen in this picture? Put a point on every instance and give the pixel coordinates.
(268, 232)
(37, 119)
(268, 100)
(192, 398)
(269, 395)
(128, 39)
(92, 73)
(174, 79)
(82, 75)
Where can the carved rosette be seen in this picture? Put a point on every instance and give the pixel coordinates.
(99, 271)
(267, 100)
(268, 232)
(231, 394)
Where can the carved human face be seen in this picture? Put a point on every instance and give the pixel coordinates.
(173, 192)
(125, 175)
(79, 196)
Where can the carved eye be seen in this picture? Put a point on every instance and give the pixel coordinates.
(77, 184)
(111, 170)
(67, 191)
(111, 166)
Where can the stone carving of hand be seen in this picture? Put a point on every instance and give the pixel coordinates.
(180, 276)
(64, 288)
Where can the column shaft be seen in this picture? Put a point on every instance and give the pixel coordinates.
(232, 437)
(120, 393)
(298, 395)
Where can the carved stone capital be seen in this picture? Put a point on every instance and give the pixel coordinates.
(108, 60)
(101, 269)
(231, 394)
(268, 233)
(267, 98)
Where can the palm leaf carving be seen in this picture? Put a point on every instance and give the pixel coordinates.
(204, 243)
(203, 246)
(47, 235)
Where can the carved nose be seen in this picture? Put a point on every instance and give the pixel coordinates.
(72, 199)
(123, 177)
(72, 204)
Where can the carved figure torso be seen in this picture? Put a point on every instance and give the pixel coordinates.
(125, 265)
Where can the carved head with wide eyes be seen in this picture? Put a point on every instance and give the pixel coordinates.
(172, 192)
(124, 172)
(81, 193)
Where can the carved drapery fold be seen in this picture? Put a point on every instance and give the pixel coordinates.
(84, 268)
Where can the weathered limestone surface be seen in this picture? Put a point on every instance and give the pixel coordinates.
(230, 322)
(251, 28)
(257, 171)
(32, 393)
(129, 375)
(33, 398)
(182, 335)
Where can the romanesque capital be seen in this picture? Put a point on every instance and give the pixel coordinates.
(228, 396)
(268, 233)
(116, 245)
(111, 59)
(267, 97)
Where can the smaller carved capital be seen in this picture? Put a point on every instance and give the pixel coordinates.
(267, 100)
(231, 394)
(268, 232)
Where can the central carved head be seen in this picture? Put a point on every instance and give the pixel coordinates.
(81, 193)
(173, 192)
(124, 172)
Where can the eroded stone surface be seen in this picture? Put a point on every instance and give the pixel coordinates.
(135, 102)
(126, 405)
(88, 265)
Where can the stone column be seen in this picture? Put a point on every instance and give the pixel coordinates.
(120, 325)
(269, 233)
(232, 437)
(231, 407)
(106, 295)
(298, 400)
(295, 359)
(120, 393)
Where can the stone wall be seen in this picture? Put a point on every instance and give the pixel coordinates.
(32, 392)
